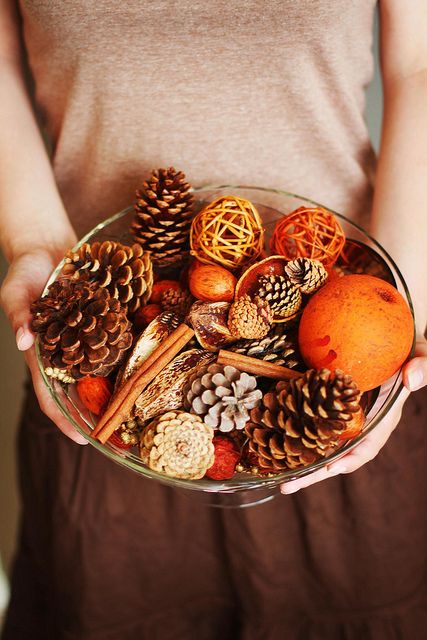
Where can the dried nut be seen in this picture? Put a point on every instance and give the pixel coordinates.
(212, 283)
(209, 321)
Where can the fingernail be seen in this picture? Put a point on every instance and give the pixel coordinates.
(415, 379)
(80, 439)
(24, 339)
(337, 469)
(287, 490)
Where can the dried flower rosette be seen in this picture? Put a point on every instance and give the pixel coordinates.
(178, 444)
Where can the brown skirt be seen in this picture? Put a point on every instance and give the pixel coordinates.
(106, 555)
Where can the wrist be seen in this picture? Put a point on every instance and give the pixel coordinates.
(45, 245)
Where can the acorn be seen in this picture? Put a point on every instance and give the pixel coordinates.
(212, 283)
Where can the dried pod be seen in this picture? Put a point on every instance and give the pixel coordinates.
(148, 341)
(166, 392)
(209, 321)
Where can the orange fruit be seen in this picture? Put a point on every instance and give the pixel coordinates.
(360, 324)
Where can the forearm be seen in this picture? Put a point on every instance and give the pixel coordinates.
(400, 201)
(31, 211)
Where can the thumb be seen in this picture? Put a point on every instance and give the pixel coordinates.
(15, 300)
(24, 282)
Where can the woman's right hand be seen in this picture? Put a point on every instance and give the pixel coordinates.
(24, 282)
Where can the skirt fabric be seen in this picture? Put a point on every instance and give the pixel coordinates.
(106, 555)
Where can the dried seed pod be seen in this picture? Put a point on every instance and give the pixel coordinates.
(148, 341)
(209, 321)
(166, 392)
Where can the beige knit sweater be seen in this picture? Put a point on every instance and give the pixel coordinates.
(257, 92)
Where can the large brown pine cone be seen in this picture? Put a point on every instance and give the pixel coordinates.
(126, 271)
(82, 330)
(164, 209)
(302, 420)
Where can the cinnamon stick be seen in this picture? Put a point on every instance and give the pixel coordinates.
(256, 367)
(121, 404)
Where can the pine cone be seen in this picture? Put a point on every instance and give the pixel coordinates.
(82, 330)
(250, 318)
(306, 273)
(177, 301)
(179, 445)
(223, 396)
(125, 271)
(164, 209)
(283, 297)
(301, 420)
(277, 347)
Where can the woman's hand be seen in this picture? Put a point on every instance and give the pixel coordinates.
(26, 277)
(414, 377)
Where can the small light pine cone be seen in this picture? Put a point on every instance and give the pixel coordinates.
(177, 301)
(223, 396)
(281, 294)
(306, 273)
(250, 319)
(125, 271)
(179, 445)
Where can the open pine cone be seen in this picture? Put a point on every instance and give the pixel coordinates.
(179, 445)
(125, 271)
(283, 297)
(306, 273)
(301, 420)
(82, 330)
(223, 396)
(278, 346)
(164, 209)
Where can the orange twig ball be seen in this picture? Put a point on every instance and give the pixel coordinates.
(310, 233)
(228, 232)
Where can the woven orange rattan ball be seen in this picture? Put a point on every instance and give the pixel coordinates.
(228, 231)
(309, 233)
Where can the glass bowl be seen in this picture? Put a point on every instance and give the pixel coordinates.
(243, 489)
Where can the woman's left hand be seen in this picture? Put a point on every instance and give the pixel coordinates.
(414, 377)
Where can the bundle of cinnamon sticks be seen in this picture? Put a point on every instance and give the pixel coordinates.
(121, 405)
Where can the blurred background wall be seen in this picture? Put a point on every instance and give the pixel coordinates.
(12, 375)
